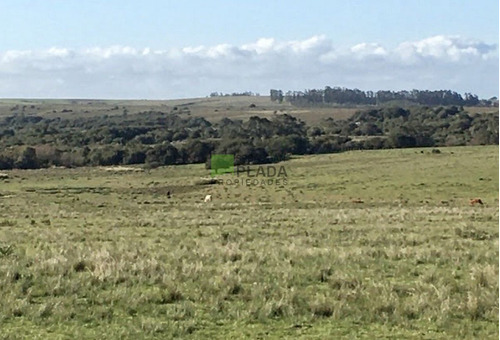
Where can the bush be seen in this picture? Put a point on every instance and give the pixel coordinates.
(195, 151)
(374, 143)
(6, 162)
(48, 155)
(107, 155)
(243, 150)
(27, 159)
(164, 154)
(134, 157)
(399, 140)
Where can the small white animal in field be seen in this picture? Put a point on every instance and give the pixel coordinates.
(208, 198)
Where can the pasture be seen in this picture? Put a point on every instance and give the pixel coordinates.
(362, 244)
(212, 109)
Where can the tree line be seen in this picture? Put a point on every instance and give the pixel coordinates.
(345, 96)
(234, 94)
(159, 138)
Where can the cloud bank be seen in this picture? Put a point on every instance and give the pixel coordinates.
(439, 62)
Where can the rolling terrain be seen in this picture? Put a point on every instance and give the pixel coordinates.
(212, 109)
(361, 244)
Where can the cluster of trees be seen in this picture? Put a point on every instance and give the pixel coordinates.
(420, 126)
(234, 94)
(342, 96)
(157, 138)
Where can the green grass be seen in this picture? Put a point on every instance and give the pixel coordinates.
(212, 109)
(89, 253)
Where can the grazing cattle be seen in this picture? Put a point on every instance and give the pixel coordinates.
(474, 201)
(208, 198)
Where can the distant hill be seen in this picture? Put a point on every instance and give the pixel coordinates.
(211, 108)
(40, 133)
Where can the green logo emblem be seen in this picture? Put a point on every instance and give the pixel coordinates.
(221, 164)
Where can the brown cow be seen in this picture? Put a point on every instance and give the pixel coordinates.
(474, 201)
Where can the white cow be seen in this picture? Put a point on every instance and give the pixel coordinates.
(208, 198)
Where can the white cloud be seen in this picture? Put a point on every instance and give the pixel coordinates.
(367, 49)
(438, 62)
(263, 45)
(451, 48)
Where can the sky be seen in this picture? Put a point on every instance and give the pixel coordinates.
(180, 49)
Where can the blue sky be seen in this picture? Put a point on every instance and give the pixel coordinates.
(147, 46)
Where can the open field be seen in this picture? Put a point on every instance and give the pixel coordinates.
(97, 253)
(212, 109)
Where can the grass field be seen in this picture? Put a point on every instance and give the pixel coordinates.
(212, 109)
(91, 253)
